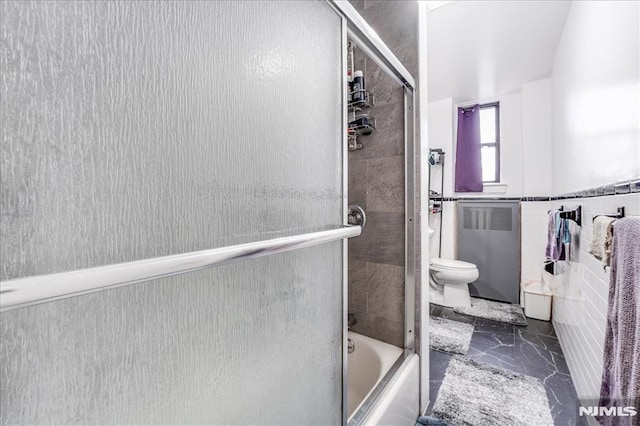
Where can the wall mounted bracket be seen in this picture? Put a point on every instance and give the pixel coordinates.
(356, 216)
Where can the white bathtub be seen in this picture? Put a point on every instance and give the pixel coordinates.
(367, 365)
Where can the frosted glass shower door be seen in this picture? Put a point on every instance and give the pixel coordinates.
(135, 130)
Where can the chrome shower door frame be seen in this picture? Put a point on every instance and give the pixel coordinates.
(356, 28)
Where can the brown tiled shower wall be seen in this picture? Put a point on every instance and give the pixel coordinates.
(376, 182)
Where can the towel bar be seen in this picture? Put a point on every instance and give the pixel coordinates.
(29, 291)
(574, 215)
(618, 215)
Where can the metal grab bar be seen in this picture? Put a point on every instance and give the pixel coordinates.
(23, 292)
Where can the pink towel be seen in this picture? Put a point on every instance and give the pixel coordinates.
(553, 249)
(557, 236)
(621, 364)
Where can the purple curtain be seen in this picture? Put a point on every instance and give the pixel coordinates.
(468, 157)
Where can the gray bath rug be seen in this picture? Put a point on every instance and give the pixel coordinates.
(496, 311)
(474, 393)
(449, 336)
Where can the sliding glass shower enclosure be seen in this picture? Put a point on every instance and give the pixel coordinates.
(136, 131)
(174, 212)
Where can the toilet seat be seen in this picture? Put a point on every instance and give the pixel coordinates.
(451, 264)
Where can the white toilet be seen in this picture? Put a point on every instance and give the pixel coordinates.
(454, 276)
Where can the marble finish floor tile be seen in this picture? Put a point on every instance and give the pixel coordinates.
(549, 343)
(536, 357)
(533, 350)
(542, 328)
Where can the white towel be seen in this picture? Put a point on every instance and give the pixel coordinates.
(608, 245)
(600, 226)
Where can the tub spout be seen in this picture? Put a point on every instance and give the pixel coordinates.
(351, 320)
(350, 346)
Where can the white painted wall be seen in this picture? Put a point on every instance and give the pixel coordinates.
(596, 141)
(596, 96)
(513, 134)
(536, 138)
(440, 117)
(511, 144)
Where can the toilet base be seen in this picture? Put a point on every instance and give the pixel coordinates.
(457, 295)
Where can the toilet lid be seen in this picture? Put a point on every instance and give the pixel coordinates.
(451, 263)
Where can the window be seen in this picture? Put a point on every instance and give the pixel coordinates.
(490, 142)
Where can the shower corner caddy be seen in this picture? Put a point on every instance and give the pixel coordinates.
(367, 101)
(360, 124)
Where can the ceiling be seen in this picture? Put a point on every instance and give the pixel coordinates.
(478, 50)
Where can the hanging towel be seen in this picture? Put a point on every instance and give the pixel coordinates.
(600, 226)
(553, 250)
(564, 231)
(563, 236)
(608, 241)
(621, 362)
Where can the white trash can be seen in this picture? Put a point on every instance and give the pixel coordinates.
(537, 300)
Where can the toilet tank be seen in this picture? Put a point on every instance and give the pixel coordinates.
(489, 236)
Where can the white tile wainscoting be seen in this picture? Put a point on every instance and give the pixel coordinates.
(533, 238)
(580, 305)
